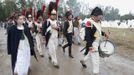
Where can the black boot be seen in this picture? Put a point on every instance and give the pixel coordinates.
(70, 55)
(64, 48)
(83, 64)
(86, 51)
(57, 66)
(49, 57)
(70, 52)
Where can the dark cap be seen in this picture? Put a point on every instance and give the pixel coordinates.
(96, 11)
(68, 13)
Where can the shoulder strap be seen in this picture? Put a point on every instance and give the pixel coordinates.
(95, 24)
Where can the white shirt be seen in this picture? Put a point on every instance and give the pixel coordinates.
(39, 25)
(70, 28)
(30, 24)
(54, 32)
(21, 27)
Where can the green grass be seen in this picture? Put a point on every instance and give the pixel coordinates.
(122, 37)
(124, 41)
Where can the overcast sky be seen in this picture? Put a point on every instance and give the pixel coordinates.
(124, 6)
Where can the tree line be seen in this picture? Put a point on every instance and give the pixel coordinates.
(7, 7)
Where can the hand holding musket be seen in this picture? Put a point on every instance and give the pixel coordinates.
(38, 26)
(55, 27)
(59, 25)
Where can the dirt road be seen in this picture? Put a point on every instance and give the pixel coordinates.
(114, 65)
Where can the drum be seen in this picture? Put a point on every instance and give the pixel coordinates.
(106, 48)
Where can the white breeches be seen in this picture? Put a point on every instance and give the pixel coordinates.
(60, 39)
(94, 58)
(39, 41)
(76, 35)
(52, 47)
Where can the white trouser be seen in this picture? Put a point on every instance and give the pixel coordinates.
(39, 41)
(60, 39)
(52, 47)
(94, 57)
(76, 35)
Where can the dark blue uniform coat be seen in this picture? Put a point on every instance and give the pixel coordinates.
(13, 38)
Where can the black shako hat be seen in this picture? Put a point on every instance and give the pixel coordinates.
(96, 11)
(68, 13)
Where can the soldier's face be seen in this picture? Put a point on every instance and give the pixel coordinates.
(53, 16)
(70, 17)
(20, 20)
(99, 18)
(30, 18)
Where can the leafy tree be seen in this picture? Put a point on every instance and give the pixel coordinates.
(127, 17)
(7, 7)
(74, 6)
(111, 13)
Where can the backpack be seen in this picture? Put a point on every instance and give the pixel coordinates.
(83, 31)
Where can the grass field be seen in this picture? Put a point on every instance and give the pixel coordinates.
(124, 41)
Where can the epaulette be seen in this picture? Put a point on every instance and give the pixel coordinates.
(89, 24)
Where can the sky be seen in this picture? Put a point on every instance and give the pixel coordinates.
(124, 6)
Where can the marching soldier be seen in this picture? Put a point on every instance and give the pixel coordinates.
(68, 33)
(39, 38)
(50, 32)
(93, 35)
